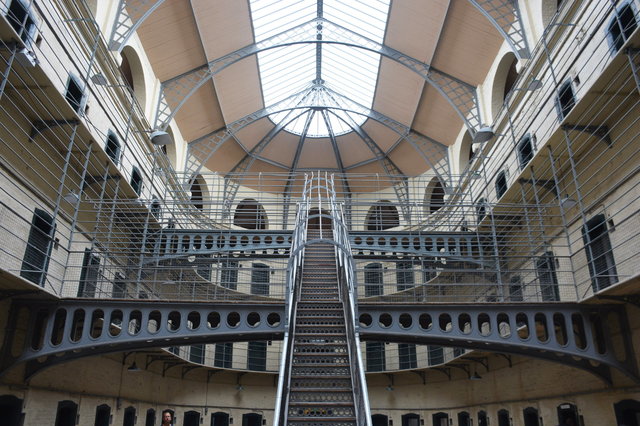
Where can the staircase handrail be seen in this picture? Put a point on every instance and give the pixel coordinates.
(294, 265)
(348, 293)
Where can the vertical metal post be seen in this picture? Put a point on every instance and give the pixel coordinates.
(76, 210)
(632, 55)
(576, 183)
(13, 47)
(65, 168)
(526, 218)
(564, 221)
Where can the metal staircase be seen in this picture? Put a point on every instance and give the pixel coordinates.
(321, 381)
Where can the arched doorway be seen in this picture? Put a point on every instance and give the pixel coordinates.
(250, 215)
(380, 420)
(220, 419)
(531, 417)
(568, 415)
(11, 410)
(383, 215)
(319, 219)
(627, 412)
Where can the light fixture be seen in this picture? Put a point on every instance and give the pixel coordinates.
(484, 134)
(99, 79)
(72, 198)
(567, 202)
(160, 138)
(534, 85)
(239, 387)
(389, 388)
(133, 367)
(475, 175)
(475, 376)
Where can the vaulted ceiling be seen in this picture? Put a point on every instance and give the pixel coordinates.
(215, 59)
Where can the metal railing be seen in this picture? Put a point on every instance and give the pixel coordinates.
(294, 266)
(348, 291)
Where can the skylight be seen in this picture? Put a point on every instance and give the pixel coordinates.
(348, 71)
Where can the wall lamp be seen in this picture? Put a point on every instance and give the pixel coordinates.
(484, 134)
(566, 202)
(158, 137)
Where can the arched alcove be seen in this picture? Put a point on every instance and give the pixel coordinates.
(433, 196)
(133, 73)
(250, 215)
(383, 215)
(318, 222)
(170, 149)
(199, 192)
(466, 152)
(503, 82)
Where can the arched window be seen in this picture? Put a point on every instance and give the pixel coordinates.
(501, 184)
(136, 180)
(35, 263)
(434, 196)
(11, 410)
(198, 188)
(597, 247)
(531, 416)
(220, 419)
(112, 148)
(150, 419)
(566, 100)
(503, 418)
(103, 414)
(66, 413)
(250, 215)
(129, 416)
(525, 150)
(383, 215)
(621, 26)
(546, 271)
(170, 149)
(481, 209)
(133, 73)
(503, 81)
(75, 94)
(156, 209)
(404, 275)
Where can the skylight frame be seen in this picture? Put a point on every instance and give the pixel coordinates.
(348, 70)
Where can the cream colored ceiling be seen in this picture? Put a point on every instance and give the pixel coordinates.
(453, 36)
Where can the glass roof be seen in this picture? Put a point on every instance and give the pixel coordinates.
(288, 70)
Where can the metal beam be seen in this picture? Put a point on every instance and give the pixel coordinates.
(127, 21)
(63, 330)
(176, 91)
(432, 151)
(505, 16)
(572, 334)
(393, 172)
